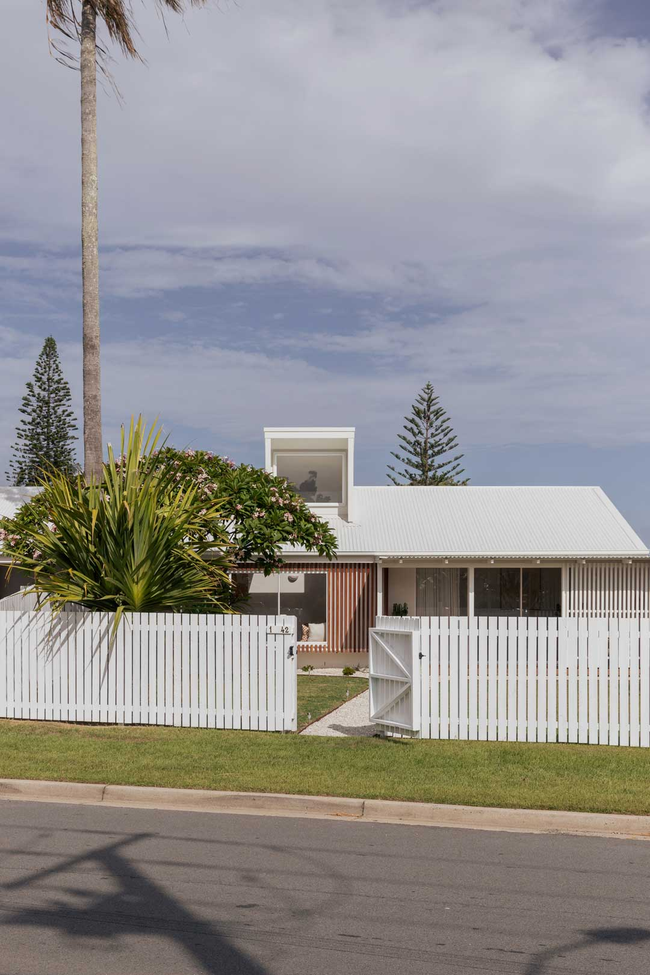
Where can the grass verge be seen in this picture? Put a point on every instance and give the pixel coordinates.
(573, 777)
(318, 696)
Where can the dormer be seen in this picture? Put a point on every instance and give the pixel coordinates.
(317, 461)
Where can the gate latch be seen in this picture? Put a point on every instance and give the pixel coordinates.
(290, 652)
(421, 655)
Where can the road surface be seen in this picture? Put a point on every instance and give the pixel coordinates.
(91, 890)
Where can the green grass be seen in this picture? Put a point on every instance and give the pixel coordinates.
(575, 777)
(320, 695)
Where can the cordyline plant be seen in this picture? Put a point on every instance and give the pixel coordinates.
(138, 541)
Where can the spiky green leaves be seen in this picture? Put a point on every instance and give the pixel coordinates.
(139, 541)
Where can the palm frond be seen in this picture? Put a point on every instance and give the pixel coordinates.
(64, 17)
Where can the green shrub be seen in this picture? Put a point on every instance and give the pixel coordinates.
(349, 671)
(400, 609)
(136, 542)
(308, 668)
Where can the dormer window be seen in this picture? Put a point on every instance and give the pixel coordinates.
(318, 463)
(317, 476)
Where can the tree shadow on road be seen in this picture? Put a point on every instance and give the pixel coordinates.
(590, 939)
(137, 906)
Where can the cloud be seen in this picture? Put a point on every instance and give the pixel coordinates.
(479, 171)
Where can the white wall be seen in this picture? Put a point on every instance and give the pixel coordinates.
(401, 589)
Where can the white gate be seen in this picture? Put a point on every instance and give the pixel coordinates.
(395, 676)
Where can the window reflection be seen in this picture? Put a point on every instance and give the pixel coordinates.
(316, 477)
(496, 592)
(507, 591)
(299, 594)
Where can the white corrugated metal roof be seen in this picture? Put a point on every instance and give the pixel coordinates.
(469, 522)
(479, 522)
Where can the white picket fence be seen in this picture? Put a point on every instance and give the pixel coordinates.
(513, 679)
(164, 669)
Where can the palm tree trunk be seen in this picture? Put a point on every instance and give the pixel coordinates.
(92, 407)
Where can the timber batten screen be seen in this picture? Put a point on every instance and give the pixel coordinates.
(609, 589)
(351, 603)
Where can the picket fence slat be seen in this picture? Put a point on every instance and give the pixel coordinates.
(644, 683)
(168, 669)
(551, 689)
(583, 680)
(432, 651)
(635, 703)
(480, 644)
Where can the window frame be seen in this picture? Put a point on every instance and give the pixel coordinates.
(293, 572)
(520, 614)
(281, 452)
(445, 568)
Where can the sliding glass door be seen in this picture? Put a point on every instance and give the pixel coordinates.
(441, 592)
(541, 592)
(497, 592)
(507, 591)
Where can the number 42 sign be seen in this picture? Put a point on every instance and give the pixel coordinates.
(278, 630)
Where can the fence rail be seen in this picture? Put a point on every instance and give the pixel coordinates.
(187, 670)
(527, 679)
(18, 600)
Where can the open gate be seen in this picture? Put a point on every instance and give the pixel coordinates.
(394, 670)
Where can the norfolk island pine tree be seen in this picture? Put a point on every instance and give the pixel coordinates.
(46, 434)
(426, 444)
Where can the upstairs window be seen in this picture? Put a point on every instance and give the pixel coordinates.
(317, 476)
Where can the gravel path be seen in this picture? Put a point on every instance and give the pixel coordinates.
(349, 720)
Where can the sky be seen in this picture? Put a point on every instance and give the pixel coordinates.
(309, 208)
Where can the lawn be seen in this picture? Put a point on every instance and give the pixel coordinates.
(576, 777)
(320, 695)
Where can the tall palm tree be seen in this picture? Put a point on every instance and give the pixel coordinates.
(76, 21)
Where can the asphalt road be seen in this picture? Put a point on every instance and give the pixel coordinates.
(101, 891)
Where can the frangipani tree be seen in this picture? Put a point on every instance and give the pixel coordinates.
(259, 511)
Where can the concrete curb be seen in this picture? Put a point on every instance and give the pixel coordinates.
(331, 807)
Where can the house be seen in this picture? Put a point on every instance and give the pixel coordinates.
(460, 551)
(11, 498)
(450, 551)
